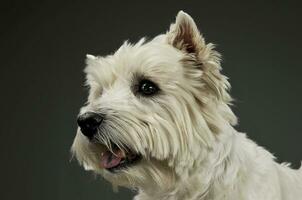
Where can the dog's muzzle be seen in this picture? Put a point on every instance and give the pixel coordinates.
(89, 123)
(114, 158)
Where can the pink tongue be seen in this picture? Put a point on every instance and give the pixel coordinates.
(109, 160)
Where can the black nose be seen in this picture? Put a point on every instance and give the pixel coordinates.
(89, 123)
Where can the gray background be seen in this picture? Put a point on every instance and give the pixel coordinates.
(42, 49)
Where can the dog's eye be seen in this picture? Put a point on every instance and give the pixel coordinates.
(147, 88)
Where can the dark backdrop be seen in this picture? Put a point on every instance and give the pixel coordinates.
(43, 47)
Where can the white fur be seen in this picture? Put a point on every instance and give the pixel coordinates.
(185, 134)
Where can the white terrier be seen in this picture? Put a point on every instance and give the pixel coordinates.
(158, 120)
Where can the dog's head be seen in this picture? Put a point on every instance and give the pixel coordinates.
(154, 108)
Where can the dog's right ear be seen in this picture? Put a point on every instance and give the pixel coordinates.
(184, 34)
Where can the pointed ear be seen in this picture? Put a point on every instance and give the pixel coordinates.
(184, 34)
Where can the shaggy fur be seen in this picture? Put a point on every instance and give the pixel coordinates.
(185, 134)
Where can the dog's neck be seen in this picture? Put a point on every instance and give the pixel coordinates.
(220, 174)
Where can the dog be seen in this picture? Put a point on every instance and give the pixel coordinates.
(158, 120)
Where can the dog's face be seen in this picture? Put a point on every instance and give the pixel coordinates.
(154, 109)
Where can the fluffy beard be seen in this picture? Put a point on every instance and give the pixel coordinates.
(147, 172)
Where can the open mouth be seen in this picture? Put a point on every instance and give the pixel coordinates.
(118, 159)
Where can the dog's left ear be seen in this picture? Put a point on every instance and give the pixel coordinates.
(184, 34)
